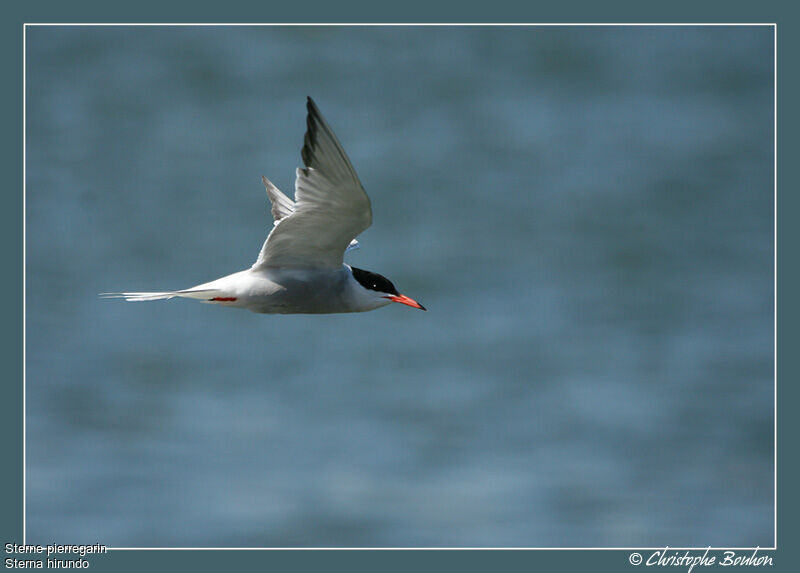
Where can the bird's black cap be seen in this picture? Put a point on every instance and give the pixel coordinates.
(374, 281)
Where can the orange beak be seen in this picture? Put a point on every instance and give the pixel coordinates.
(403, 299)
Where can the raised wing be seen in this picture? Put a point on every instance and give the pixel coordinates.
(282, 207)
(330, 210)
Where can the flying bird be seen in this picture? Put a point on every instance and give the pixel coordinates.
(301, 267)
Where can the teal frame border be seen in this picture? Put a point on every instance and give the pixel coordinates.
(148, 11)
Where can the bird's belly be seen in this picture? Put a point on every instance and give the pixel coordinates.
(282, 302)
(296, 294)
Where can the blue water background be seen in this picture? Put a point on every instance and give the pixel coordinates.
(587, 213)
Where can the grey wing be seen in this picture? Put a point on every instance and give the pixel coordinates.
(330, 210)
(282, 207)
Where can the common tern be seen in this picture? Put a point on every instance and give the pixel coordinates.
(301, 268)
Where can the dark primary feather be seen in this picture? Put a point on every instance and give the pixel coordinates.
(322, 150)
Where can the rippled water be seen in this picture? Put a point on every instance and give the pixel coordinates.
(585, 211)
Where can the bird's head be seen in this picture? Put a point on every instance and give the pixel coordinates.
(381, 288)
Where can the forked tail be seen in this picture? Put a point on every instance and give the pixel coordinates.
(204, 294)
